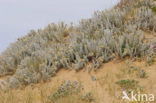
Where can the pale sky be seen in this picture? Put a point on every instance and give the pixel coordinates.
(17, 17)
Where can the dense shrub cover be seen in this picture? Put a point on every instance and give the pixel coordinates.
(115, 33)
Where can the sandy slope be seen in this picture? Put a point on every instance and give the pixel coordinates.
(104, 88)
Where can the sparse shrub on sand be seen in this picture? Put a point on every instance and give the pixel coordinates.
(88, 97)
(67, 88)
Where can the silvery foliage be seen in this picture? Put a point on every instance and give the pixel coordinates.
(14, 83)
(3, 85)
(108, 34)
(67, 88)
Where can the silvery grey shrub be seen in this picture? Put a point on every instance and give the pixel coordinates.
(108, 34)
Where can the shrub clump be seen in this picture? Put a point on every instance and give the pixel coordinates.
(67, 88)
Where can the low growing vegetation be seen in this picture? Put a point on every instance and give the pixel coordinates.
(66, 89)
(110, 34)
(128, 84)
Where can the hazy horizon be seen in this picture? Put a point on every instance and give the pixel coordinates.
(19, 17)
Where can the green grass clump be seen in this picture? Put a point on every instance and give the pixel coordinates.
(128, 84)
(154, 9)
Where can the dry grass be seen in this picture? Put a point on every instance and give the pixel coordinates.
(101, 84)
(104, 89)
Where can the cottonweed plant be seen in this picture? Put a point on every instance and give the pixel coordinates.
(88, 97)
(67, 88)
(115, 33)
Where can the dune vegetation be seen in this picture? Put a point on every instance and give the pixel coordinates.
(125, 32)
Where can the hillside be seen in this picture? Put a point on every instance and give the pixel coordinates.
(113, 50)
